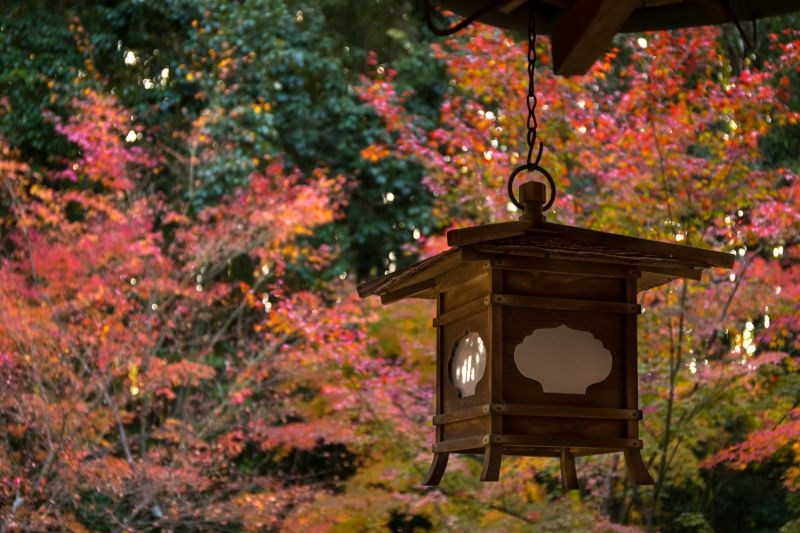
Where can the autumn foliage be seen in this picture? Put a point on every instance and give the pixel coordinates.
(144, 378)
(177, 359)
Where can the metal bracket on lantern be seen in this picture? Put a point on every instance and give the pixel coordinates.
(531, 167)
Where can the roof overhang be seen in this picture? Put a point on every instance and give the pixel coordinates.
(546, 245)
(581, 30)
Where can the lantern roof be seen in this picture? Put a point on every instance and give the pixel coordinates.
(533, 245)
(581, 30)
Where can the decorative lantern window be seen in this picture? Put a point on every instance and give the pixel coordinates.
(536, 337)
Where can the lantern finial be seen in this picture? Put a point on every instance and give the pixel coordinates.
(532, 196)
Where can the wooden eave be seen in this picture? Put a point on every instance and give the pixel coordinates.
(581, 30)
(415, 281)
(658, 262)
(571, 240)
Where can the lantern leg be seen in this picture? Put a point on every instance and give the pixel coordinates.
(569, 476)
(438, 467)
(491, 462)
(637, 468)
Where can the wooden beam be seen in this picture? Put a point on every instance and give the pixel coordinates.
(511, 6)
(414, 290)
(584, 31)
(649, 15)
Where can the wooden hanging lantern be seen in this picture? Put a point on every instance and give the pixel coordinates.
(536, 350)
(536, 345)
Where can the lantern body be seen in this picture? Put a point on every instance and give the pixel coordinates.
(536, 338)
(559, 347)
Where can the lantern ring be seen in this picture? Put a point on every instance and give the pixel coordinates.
(531, 167)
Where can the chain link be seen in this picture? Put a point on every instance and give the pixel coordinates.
(532, 164)
(531, 102)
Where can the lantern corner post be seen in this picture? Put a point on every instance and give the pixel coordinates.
(637, 467)
(439, 462)
(492, 457)
(438, 466)
(633, 456)
(569, 475)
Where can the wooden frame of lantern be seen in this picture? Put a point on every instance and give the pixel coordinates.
(537, 337)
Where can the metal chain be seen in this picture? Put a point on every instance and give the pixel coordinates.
(531, 102)
(532, 164)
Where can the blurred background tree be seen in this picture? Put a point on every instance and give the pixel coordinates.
(190, 189)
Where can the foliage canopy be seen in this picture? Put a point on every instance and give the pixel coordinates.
(189, 190)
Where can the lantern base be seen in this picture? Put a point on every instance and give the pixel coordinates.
(493, 447)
